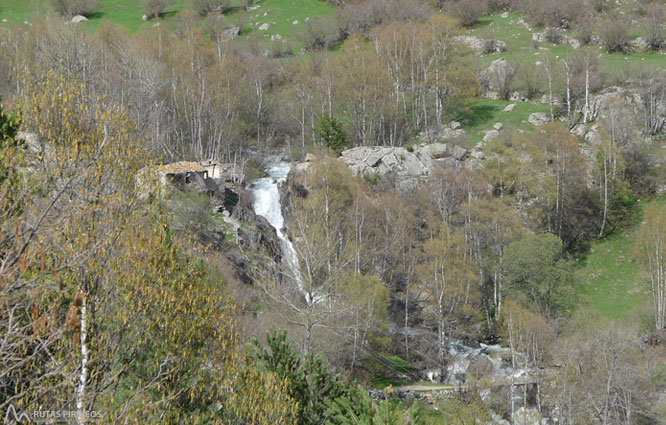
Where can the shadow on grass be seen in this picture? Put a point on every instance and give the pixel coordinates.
(95, 15)
(483, 22)
(168, 14)
(477, 114)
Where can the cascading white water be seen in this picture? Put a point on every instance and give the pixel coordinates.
(267, 204)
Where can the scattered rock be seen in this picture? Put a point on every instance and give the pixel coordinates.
(555, 36)
(78, 19)
(451, 131)
(491, 135)
(498, 126)
(579, 130)
(459, 153)
(592, 136)
(295, 22)
(539, 37)
(505, 15)
(251, 8)
(437, 150)
(31, 141)
(264, 27)
(483, 45)
(538, 118)
(546, 99)
(396, 394)
(145, 18)
(509, 108)
(640, 43)
(276, 37)
(231, 33)
(455, 125)
(517, 97)
(477, 155)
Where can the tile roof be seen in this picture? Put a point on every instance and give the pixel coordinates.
(182, 167)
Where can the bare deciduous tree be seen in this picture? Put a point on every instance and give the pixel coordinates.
(69, 8)
(206, 7)
(154, 8)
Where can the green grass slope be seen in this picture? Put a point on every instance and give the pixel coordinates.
(482, 114)
(612, 281)
(517, 34)
(126, 13)
(285, 17)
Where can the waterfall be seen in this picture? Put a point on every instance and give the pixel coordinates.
(267, 204)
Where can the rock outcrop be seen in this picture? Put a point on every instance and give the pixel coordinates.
(494, 77)
(482, 45)
(408, 167)
(556, 36)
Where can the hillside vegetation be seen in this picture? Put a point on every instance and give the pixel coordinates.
(309, 212)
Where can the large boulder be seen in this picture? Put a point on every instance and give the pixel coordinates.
(455, 125)
(493, 77)
(231, 33)
(538, 118)
(78, 19)
(437, 150)
(509, 108)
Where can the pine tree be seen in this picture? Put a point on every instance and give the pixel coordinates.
(331, 133)
(9, 124)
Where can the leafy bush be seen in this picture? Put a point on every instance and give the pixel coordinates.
(490, 45)
(9, 124)
(353, 17)
(495, 6)
(531, 79)
(69, 8)
(585, 33)
(206, 7)
(317, 34)
(554, 13)
(653, 28)
(468, 12)
(600, 6)
(614, 33)
(553, 35)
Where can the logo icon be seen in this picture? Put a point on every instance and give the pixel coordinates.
(17, 418)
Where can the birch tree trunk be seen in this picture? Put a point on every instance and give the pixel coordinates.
(83, 376)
